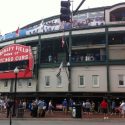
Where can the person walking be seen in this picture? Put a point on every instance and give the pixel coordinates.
(40, 108)
(65, 104)
(87, 108)
(122, 106)
(104, 107)
(93, 107)
(70, 104)
(83, 106)
(50, 107)
(9, 105)
(113, 106)
(34, 109)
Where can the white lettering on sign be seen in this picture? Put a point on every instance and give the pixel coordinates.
(7, 49)
(8, 54)
(14, 48)
(21, 49)
(15, 52)
(18, 58)
(9, 59)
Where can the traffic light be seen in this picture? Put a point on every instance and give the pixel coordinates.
(65, 11)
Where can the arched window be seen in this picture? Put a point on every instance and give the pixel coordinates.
(117, 14)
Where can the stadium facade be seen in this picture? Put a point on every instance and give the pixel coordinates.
(93, 56)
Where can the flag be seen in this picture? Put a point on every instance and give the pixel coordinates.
(17, 31)
(59, 70)
(27, 70)
(63, 42)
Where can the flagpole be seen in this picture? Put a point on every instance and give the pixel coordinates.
(59, 70)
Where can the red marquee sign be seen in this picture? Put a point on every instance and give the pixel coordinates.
(17, 53)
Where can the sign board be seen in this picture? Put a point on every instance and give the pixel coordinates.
(16, 53)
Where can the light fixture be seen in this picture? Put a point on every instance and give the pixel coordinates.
(16, 70)
(68, 63)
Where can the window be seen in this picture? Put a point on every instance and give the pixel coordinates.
(121, 80)
(29, 83)
(5, 83)
(117, 14)
(47, 80)
(95, 81)
(81, 81)
(59, 81)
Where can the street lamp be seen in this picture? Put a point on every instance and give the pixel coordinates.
(68, 64)
(69, 86)
(16, 71)
(69, 76)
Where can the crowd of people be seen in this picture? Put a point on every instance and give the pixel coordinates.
(90, 107)
(40, 107)
(37, 107)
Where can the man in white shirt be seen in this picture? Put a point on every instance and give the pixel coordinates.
(122, 106)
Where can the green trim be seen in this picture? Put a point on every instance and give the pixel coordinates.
(107, 59)
(85, 63)
(49, 65)
(38, 64)
(116, 62)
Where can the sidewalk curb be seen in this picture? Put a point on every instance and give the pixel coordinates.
(66, 119)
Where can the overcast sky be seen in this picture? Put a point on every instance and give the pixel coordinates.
(16, 13)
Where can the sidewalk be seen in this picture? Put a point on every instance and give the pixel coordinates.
(61, 115)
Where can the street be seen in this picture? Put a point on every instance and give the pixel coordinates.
(64, 122)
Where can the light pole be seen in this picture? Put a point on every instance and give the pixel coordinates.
(69, 76)
(69, 86)
(16, 71)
